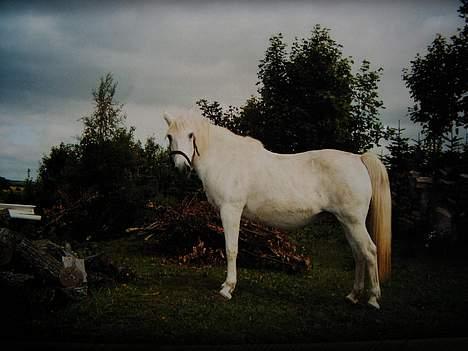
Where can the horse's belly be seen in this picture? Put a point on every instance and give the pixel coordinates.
(280, 216)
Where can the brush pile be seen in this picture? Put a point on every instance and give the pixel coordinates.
(192, 233)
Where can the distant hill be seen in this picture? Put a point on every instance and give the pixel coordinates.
(6, 183)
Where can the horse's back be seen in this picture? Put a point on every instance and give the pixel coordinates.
(287, 190)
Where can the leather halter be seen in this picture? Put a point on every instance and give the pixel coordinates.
(190, 161)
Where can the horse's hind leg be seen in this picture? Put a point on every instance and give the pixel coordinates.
(365, 254)
(230, 217)
(359, 272)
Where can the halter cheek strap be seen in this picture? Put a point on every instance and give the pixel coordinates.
(190, 161)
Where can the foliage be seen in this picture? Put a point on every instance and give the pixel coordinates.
(366, 128)
(108, 177)
(432, 86)
(228, 119)
(308, 99)
(57, 175)
(438, 84)
(106, 121)
(398, 160)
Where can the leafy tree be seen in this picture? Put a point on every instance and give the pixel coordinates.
(398, 160)
(158, 177)
(366, 127)
(460, 53)
(432, 88)
(107, 119)
(308, 99)
(58, 175)
(420, 153)
(438, 84)
(100, 171)
(106, 178)
(453, 153)
(229, 119)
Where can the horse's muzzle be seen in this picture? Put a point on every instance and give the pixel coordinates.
(177, 152)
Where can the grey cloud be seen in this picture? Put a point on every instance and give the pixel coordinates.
(167, 56)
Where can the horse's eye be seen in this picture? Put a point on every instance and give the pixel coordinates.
(190, 135)
(169, 137)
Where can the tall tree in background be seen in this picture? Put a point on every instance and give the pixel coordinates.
(99, 173)
(308, 99)
(398, 160)
(108, 177)
(432, 87)
(107, 119)
(460, 53)
(366, 127)
(438, 84)
(108, 147)
(229, 118)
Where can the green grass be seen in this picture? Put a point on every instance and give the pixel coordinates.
(172, 304)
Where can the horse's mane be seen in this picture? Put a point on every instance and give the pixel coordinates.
(204, 124)
(229, 132)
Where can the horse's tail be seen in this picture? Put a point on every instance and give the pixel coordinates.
(379, 217)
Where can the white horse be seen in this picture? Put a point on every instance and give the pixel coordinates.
(242, 178)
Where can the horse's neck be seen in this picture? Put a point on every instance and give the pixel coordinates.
(216, 141)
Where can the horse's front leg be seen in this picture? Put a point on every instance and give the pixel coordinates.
(230, 217)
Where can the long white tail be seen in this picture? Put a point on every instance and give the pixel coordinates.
(379, 217)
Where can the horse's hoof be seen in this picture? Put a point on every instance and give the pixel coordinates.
(225, 293)
(351, 299)
(373, 303)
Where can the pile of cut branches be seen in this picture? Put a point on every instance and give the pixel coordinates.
(192, 234)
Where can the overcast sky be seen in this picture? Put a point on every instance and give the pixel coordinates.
(166, 56)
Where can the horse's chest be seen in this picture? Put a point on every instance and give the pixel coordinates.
(212, 200)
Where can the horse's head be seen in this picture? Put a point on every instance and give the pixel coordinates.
(182, 141)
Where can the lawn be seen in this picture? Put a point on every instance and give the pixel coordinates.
(173, 304)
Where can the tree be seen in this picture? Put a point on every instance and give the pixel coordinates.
(229, 119)
(460, 53)
(438, 84)
(366, 127)
(107, 119)
(58, 175)
(399, 158)
(431, 84)
(100, 172)
(105, 180)
(308, 99)
(453, 152)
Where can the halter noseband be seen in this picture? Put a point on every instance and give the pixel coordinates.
(190, 161)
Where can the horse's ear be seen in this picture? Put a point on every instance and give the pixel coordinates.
(168, 118)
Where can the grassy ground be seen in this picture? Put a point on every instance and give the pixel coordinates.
(172, 304)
